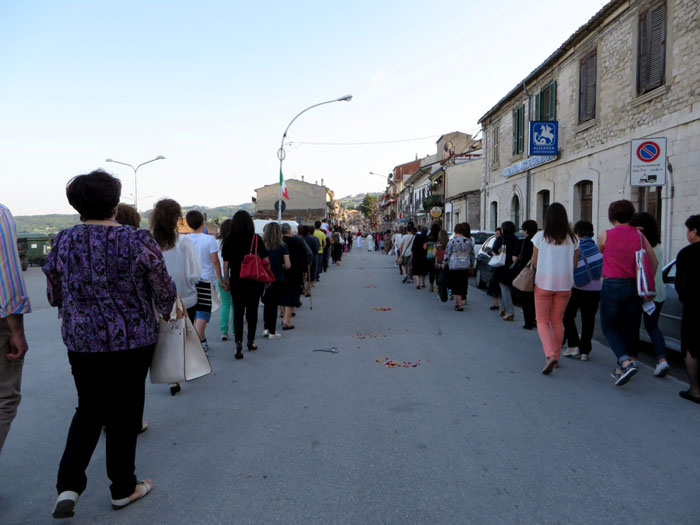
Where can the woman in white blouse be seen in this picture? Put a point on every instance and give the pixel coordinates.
(554, 255)
(181, 259)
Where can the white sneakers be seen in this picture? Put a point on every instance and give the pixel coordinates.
(266, 333)
(572, 351)
(584, 357)
(662, 369)
(274, 336)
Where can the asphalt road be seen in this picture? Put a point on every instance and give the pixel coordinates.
(473, 434)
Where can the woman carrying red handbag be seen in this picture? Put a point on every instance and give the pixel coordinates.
(245, 292)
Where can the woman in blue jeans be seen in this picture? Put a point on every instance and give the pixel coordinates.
(650, 229)
(620, 305)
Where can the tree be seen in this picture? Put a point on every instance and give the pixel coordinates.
(366, 206)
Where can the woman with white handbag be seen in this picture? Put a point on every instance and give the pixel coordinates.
(180, 255)
(105, 278)
(505, 252)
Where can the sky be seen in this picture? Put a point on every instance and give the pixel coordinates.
(211, 85)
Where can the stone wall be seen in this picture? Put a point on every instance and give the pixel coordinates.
(599, 151)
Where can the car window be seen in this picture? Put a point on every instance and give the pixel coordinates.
(488, 244)
(669, 273)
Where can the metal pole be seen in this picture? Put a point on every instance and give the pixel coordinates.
(281, 154)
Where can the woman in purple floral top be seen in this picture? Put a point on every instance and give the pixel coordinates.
(105, 280)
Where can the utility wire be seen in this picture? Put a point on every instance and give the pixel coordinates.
(292, 143)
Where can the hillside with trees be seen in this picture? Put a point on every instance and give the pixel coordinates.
(53, 223)
(353, 202)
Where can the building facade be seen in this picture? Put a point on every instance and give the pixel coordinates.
(308, 202)
(632, 72)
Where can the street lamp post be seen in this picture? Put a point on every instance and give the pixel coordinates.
(136, 169)
(281, 154)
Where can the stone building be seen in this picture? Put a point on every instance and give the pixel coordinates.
(632, 72)
(308, 202)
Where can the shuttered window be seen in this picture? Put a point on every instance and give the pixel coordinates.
(546, 102)
(651, 52)
(519, 130)
(587, 87)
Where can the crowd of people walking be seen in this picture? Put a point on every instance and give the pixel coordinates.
(561, 270)
(112, 280)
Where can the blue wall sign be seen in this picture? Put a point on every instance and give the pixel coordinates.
(544, 137)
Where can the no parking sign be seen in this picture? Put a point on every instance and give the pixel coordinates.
(648, 162)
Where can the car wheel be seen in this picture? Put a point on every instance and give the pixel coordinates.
(479, 282)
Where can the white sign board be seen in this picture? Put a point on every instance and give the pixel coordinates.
(648, 162)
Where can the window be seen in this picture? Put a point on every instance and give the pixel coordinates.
(495, 131)
(519, 130)
(649, 200)
(546, 102)
(494, 215)
(583, 205)
(651, 50)
(586, 88)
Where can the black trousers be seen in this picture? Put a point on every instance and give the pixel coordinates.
(246, 298)
(111, 388)
(271, 309)
(587, 301)
(528, 302)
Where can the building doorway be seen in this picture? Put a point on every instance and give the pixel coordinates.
(515, 211)
(494, 215)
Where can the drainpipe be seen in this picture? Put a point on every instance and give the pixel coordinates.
(528, 175)
(668, 212)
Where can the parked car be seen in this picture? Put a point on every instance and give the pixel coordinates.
(670, 319)
(483, 256)
(479, 237)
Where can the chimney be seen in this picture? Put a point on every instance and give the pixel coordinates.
(302, 178)
(321, 182)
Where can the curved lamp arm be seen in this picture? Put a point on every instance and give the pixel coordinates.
(346, 98)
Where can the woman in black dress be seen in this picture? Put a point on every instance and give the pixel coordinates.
(688, 288)
(420, 257)
(278, 254)
(244, 292)
(293, 276)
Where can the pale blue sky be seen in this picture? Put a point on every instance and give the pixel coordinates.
(212, 85)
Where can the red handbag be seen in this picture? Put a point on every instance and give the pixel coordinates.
(254, 268)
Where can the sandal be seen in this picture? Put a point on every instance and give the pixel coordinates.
(685, 394)
(252, 346)
(288, 327)
(549, 366)
(65, 504)
(459, 308)
(142, 489)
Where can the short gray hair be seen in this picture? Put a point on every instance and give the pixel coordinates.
(286, 228)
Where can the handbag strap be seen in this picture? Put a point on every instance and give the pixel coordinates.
(254, 244)
(585, 263)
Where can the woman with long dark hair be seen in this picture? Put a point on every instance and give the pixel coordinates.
(524, 256)
(620, 304)
(429, 246)
(180, 256)
(504, 274)
(245, 293)
(278, 254)
(652, 232)
(554, 255)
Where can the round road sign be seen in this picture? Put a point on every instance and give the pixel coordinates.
(648, 151)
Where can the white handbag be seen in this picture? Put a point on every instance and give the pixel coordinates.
(498, 260)
(178, 355)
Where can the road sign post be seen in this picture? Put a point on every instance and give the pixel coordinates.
(648, 162)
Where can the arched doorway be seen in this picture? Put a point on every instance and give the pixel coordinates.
(515, 211)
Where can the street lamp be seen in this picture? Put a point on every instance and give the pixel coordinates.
(136, 169)
(281, 154)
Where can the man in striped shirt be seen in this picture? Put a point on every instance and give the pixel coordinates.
(14, 303)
